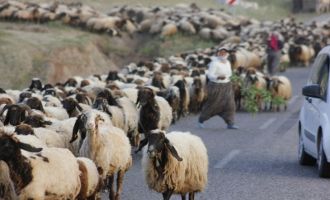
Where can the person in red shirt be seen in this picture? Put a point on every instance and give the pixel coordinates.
(274, 45)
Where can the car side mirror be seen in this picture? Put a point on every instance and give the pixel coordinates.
(312, 91)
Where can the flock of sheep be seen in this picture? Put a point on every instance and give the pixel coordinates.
(302, 41)
(98, 119)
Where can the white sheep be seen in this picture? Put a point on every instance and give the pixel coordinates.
(52, 173)
(280, 87)
(89, 178)
(185, 168)
(108, 147)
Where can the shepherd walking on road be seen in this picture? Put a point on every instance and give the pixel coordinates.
(220, 92)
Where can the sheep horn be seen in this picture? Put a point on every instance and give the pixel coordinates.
(143, 143)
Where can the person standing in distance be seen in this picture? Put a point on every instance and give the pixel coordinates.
(220, 99)
(274, 46)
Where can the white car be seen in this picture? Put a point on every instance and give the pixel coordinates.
(314, 119)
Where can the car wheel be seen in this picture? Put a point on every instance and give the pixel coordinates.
(322, 163)
(303, 157)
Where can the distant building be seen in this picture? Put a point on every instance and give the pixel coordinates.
(318, 6)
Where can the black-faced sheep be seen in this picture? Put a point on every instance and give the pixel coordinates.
(15, 115)
(197, 95)
(28, 170)
(155, 112)
(175, 163)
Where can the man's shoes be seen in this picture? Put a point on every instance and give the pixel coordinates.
(232, 126)
(201, 125)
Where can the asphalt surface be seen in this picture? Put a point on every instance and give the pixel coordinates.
(258, 161)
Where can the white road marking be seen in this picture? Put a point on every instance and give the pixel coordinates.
(230, 156)
(267, 123)
(293, 99)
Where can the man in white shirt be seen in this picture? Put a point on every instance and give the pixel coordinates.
(220, 99)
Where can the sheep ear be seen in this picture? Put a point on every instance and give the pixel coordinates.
(28, 147)
(143, 143)
(76, 128)
(172, 150)
(79, 107)
(7, 115)
(106, 109)
(137, 100)
(4, 109)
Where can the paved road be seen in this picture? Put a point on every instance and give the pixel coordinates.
(258, 161)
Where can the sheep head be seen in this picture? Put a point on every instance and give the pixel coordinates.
(93, 121)
(24, 95)
(197, 84)
(50, 91)
(36, 84)
(71, 82)
(24, 129)
(70, 105)
(112, 76)
(15, 114)
(102, 104)
(159, 144)
(36, 121)
(145, 95)
(35, 103)
(88, 121)
(157, 80)
(10, 147)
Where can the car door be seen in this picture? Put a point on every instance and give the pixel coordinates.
(312, 106)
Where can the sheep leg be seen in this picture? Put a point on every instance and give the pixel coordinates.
(183, 196)
(167, 195)
(111, 188)
(120, 178)
(192, 196)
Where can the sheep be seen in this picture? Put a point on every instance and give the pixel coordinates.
(169, 30)
(196, 95)
(187, 27)
(14, 94)
(155, 112)
(72, 107)
(49, 111)
(7, 190)
(131, 93)
(175, 163)
(185, 97)
(172, 96)
(280, 87)
(108, 147)
(6, 99)
(300, 53)
(115, 112)
(242, 57)
(25, 134)
(28, 170)
(89, 178)
(15, 115)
